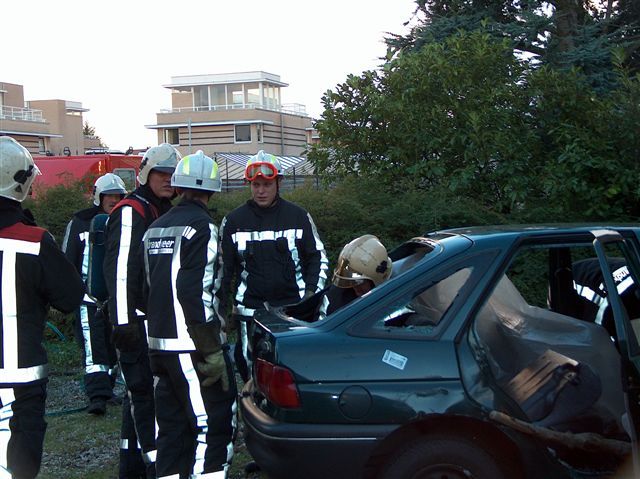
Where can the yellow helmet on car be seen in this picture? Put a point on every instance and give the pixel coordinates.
(364, 258)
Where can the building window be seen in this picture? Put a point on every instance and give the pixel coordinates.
(201, 98)
(237, 97)
(259, 132)
(171, 136)
(41, 146)
(243, 133)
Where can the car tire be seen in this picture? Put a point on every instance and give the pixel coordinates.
(443, 457)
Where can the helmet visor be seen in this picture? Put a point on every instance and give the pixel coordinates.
(345, 277)
(268, 171)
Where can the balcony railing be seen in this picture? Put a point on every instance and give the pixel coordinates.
(22, 114)
(290, 108)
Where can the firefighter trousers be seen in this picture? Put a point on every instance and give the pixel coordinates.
(241, 354)
(92, 329)
(138, 433)
(22, 428)
(196, 424)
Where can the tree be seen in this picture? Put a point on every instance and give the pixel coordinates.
(469, 115)
(559, 33)
(90, 132)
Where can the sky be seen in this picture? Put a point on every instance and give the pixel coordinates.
(114, 56)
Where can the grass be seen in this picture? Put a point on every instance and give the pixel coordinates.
(79, 445)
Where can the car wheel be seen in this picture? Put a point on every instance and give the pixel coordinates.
(443, 458)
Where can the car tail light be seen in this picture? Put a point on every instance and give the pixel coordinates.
(277, 384)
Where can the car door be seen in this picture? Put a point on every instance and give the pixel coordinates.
(609, 244)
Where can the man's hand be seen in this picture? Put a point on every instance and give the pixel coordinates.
(126, 337)
(215, 368)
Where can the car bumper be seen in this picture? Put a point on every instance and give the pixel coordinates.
(307, 450)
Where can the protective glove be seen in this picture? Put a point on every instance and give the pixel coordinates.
(215, 368)
(126, 337)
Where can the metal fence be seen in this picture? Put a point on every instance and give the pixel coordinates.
(23, 114)
(289, 182)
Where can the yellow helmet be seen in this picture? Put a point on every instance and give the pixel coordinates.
(364, 258)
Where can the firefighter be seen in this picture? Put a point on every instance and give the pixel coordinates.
(35, 274)
(363, 264)
(91, 327)
(195, 388)
(589, 284)
(271, 248)
(124, 275)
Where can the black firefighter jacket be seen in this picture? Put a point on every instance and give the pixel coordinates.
(274, 254)
(75, 244)
(35, 275)
(180, 258)
(123, 261)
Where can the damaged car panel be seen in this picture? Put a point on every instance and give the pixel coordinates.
(478, 358)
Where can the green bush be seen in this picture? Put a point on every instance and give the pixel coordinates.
(53, 207)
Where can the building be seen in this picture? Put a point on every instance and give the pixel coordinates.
(43, 126)
(233, 113)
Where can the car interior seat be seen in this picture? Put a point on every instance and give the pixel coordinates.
(561, 365)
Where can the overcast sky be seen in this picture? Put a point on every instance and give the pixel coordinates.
(114, 56)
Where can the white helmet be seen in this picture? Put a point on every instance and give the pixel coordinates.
(364, 258)
(198, 172)
(262, 164)
(108, 184)
(163, 157)
(17, 169)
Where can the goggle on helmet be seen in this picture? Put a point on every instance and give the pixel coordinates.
(264, 165)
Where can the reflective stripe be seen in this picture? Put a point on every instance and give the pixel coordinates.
(207, 277)
(324, 306)
(84, 270)
(126, 227)
(88, 299)
(241, 238)
(172, 476)
(23, 375)
(7, 398)
(171, 344)
(324, 261)
(19, 246)
(10, 249)
(197, 405)
(245, 343)
(149, 457)
(124, 444)
(96, 368)
(181, 322)
(65, 240)
(244, 311)
(218, 280)
(86, 336)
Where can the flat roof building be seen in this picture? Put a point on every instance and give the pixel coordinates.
(233, 113)
(41, 126)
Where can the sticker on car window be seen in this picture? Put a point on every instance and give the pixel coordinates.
(394, 359)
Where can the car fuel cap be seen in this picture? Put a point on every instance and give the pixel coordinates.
(355, 402)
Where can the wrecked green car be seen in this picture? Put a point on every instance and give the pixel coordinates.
(482, 357)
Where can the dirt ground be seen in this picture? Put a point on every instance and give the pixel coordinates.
(79, 445)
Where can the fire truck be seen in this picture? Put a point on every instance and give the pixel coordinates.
(62, 170)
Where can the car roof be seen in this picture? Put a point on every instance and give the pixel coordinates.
(534, 229)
